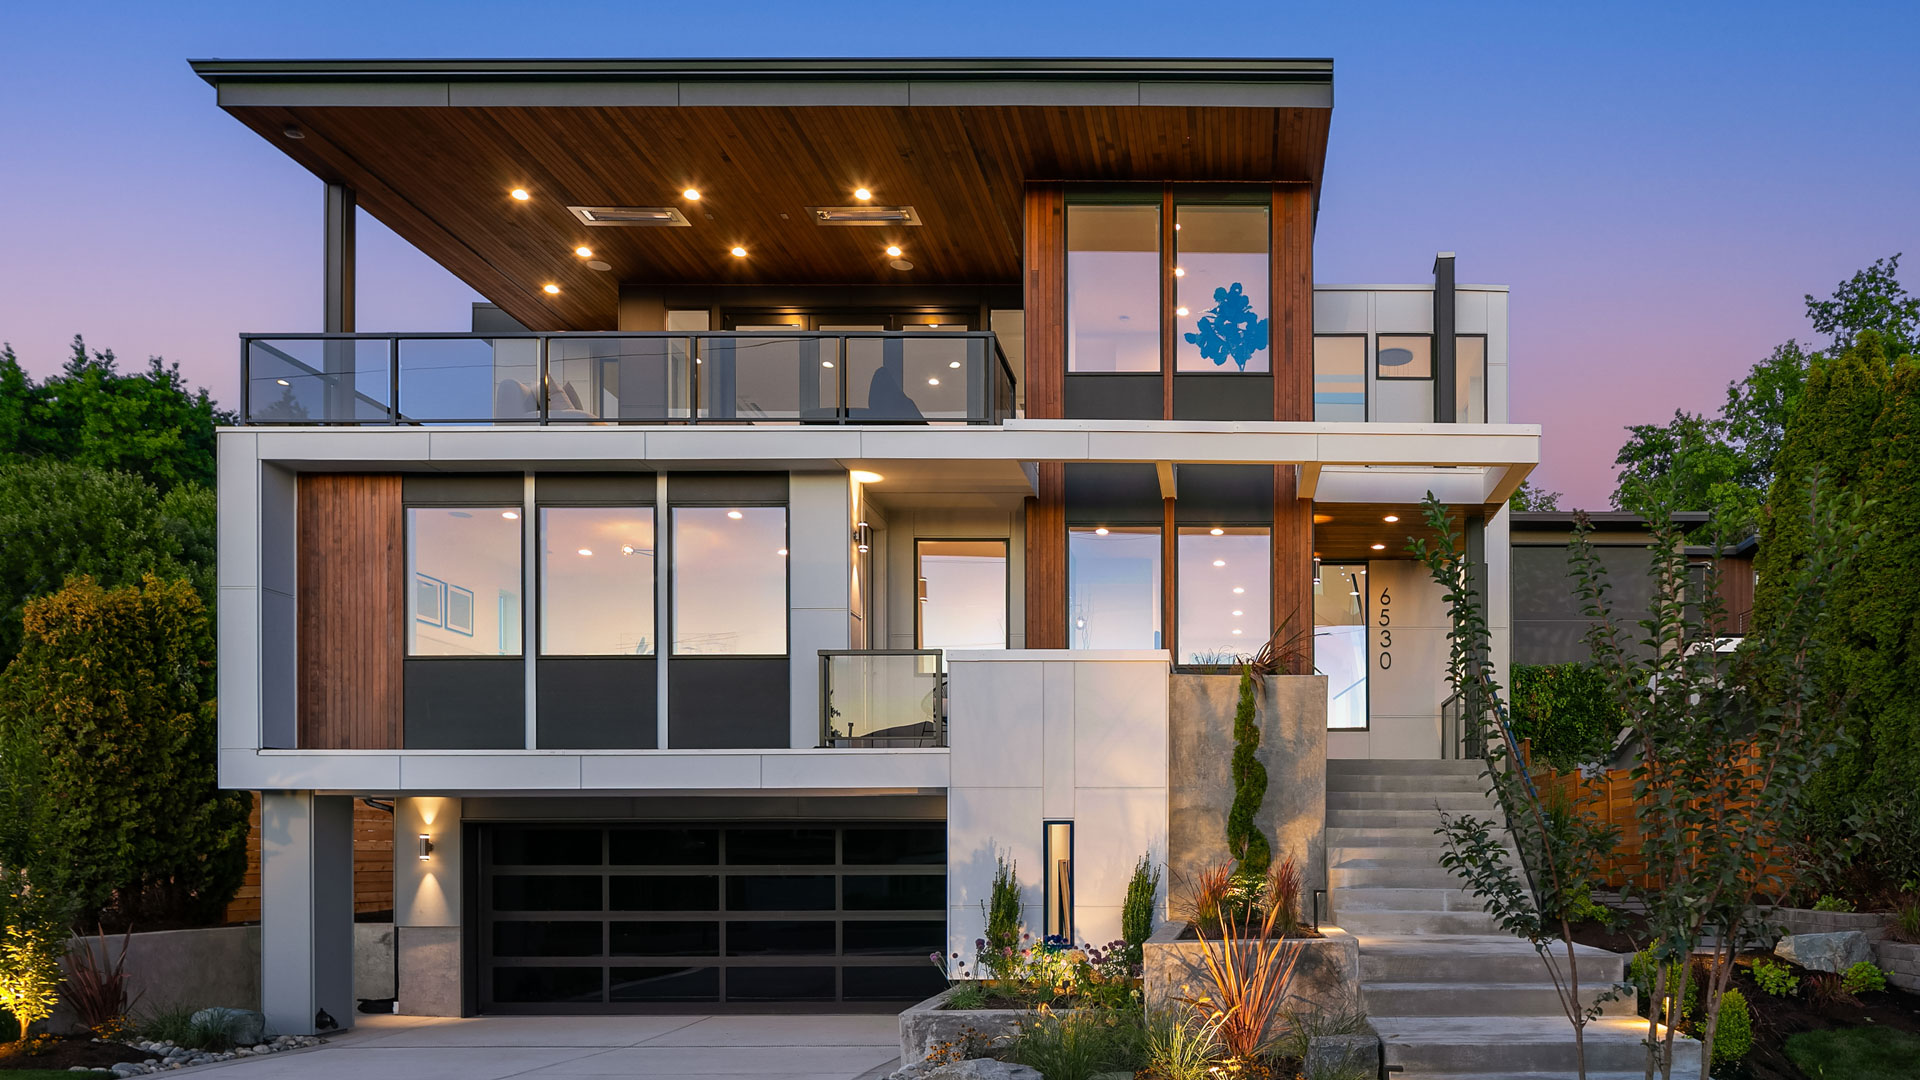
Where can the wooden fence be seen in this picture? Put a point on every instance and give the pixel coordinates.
(372, 865)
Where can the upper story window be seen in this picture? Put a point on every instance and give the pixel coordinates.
(596, 581)
(730, 580)
(1113, 287)
(463, 573)
(1403, 370)
(1222, 302)
(1113, 587)
(1340, 377)
(962, 594)
(1470, 379)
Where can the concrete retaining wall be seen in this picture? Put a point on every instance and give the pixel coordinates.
(1326, 977)
(931, 1023)
(193, 969)
(1291, 711)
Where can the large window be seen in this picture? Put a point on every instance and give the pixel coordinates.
(463, 574)
(1225, 593)
(1470, 379)
(1340, 641)
(963, 594)
(1221, 299)
(596, 581)
(1113, 587)
(1113, 288)
(1340, 377)
(730, 581)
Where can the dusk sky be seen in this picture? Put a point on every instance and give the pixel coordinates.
(1659, 187)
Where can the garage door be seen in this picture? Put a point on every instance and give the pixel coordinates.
(632, 918)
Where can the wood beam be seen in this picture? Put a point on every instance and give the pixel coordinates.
(1044, 277)
(1047, 560)
(1291, 328)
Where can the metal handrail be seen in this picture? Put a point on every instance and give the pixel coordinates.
(993, 382)
(827, 711)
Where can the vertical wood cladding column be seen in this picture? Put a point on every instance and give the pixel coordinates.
(1292, 327)
(1047, 560)
(352, 601)
(1044, 271)
(1293, 565)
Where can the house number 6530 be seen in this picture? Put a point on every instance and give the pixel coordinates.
(1386, 628)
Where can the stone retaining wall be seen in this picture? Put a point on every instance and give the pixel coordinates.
(1808, 921)
(1900, 962)
(931, 1023)
(1326, 977)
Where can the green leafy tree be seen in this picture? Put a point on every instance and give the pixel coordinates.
(61, 519)
(33, 937)
(147, 423)
(111, 697)
(1245, 841)
(1872, 299)
(1136, 914)
(1527, 497)
(1566, 711)
(1688, 463)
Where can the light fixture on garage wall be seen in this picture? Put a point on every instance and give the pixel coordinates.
(424, 846)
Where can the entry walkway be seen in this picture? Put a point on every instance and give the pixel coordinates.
(836, 1047)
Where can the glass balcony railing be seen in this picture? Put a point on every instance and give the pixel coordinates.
(802, 377)
(882, 698)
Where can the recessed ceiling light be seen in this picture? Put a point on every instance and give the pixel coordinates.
(583, 251)
(292, 132)
(1237, 614)
(1391, 518)
(1217, 532)
(283, 382)
(597, 264)
(933, 382)
(691, 194)
(738, 252)
(520, 194)
(953, 363)
(1219, 562)
(735, 514)
(893, 250)
(510, 515)
(1379, 547)
(901, 264)
(826, 363)
(1180, 311)
(1101, 531)
(586, 551)
(781, 551)
(1237, 590)
(550, 289)
(862, 476)
(626, 549)
(1179, 271)
(1236, 629)
(862, 194)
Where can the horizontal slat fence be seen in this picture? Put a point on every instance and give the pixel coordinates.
(372, 865)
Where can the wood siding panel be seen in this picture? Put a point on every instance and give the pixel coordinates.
(372, 865)
(352, 603)
(1293, 565)
(1044, 264)
(1292, 340)
(1047, 560)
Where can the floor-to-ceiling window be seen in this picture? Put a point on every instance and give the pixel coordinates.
(1113, 587)
(1222, 303)
(1225, 593)
(1340, 640)
(1470, 379)
(1113, 287)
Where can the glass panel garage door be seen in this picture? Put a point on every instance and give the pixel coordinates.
(613, 918)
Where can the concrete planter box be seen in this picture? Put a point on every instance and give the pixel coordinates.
(931, 1022)
(1327, 976)
(1901, 962)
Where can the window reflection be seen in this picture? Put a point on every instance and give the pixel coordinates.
(1340, 640)
(1340, 377)
(1113, 587)
(730, 581)
(1404, 366)
(463, 573)
(596, 581)
(1220, 283)
(1225, 593)
(1470, 380)
(1113, 288)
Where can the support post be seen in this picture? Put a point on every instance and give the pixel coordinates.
(1444, 377)
(306, 911)
(427, 905)
(336, 316)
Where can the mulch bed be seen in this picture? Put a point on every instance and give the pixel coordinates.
(1776, 1018)
(65, 1053)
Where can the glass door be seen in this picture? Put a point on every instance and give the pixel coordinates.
(961, 588)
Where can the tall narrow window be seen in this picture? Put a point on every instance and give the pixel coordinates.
(1403, 366)
(962, 594)
(1113, 587)
(1221, 300)
(463, 574)
(730, 581)
(1470, 379)
(596, 581)
(1113, 288)
(1340, 641)
(1340, 377)
(1059, 884)
(1225, 593)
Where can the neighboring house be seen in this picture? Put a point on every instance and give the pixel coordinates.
(891, 444)
(1549, 617)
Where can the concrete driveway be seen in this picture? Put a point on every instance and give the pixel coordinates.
(580, 1047)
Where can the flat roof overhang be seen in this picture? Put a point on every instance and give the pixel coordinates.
(432, 147)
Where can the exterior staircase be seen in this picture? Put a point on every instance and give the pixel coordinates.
(1450, 993)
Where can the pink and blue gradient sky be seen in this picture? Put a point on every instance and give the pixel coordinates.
(1658, 183)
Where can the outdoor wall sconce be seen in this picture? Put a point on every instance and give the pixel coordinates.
(863, 537)
(425, 847)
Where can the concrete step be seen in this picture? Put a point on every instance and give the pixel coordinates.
(1410, 800)
(1377, 898)
(1403, 767)
(1403, 783)
(1537, 998)
(1610, 1074)
(1484, 1046)
(1357, 876)
(1392, 854)
(1427, 819)
(1390, 958)
(1416, 922)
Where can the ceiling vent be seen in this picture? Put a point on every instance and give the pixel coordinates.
(863, 215)
(630, 216)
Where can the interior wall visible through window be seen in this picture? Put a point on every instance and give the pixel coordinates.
(1403, 375)
(596, 581)
(1113, 587)
(1225, 593)
(729, 580)
(463, 575)
(1340, 640)
(1222, 302)
(962, 594)
(1340, 377)
(1113, 287)
(1470, 379)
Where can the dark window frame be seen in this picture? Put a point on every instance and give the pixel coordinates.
(673, 597)
(1366, 366)
(1173, 617)
(406, 539)
(1006, 594)
(539, 579)
(1431, 376)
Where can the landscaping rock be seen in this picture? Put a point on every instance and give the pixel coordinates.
(1825, 952)
(243, 1026)
(970, 1069)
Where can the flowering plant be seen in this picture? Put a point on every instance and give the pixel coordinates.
(1049, 972)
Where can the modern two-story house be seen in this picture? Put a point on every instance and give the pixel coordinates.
(853, 466)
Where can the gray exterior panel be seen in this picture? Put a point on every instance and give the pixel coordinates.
(564, 94)
(1223, 397)
(1113, 397)
(597, 703)
(466, 704)
(728, 702)
(357, 94)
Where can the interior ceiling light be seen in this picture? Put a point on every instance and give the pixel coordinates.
(520, 194)
(630, 216)
(586, 551)
(1179, 271)
(893, 250)
(1236, 629)
(1379, 547)
(1101, 531)
(1219, 562)
(283, 382)
(862, 194)
(901, 264)
(1391, 518)
(953, 363)
(1180, 311)
(626, 549)
(292, 132)
(738, 252)
(933, 382)
(583, 251)
(1217, 532)
(780, 551)
(862, 476)
(691, 194)
(510, 515)
(735, 514)
(1237, 614)
(550, 289)
(864, 215)
(597, 264)
(1237, 590)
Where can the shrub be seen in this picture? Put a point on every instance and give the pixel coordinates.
(1245, 842)
(1775, 979)
(1002, 909)
(1832, 903)
(1203, 901)
(1283, 894)
(1181, 1046)
(1136, 913)
(32, 937)
(1567, 711)
(173, 1024)
(1249, 970)
(1733, 1034)
(1826, 988)
(1078, 1044)
(1305, 1025)
(96, 987)
(1863, 977)
(1643, 971)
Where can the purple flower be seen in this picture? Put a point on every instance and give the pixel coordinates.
(979, 943)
